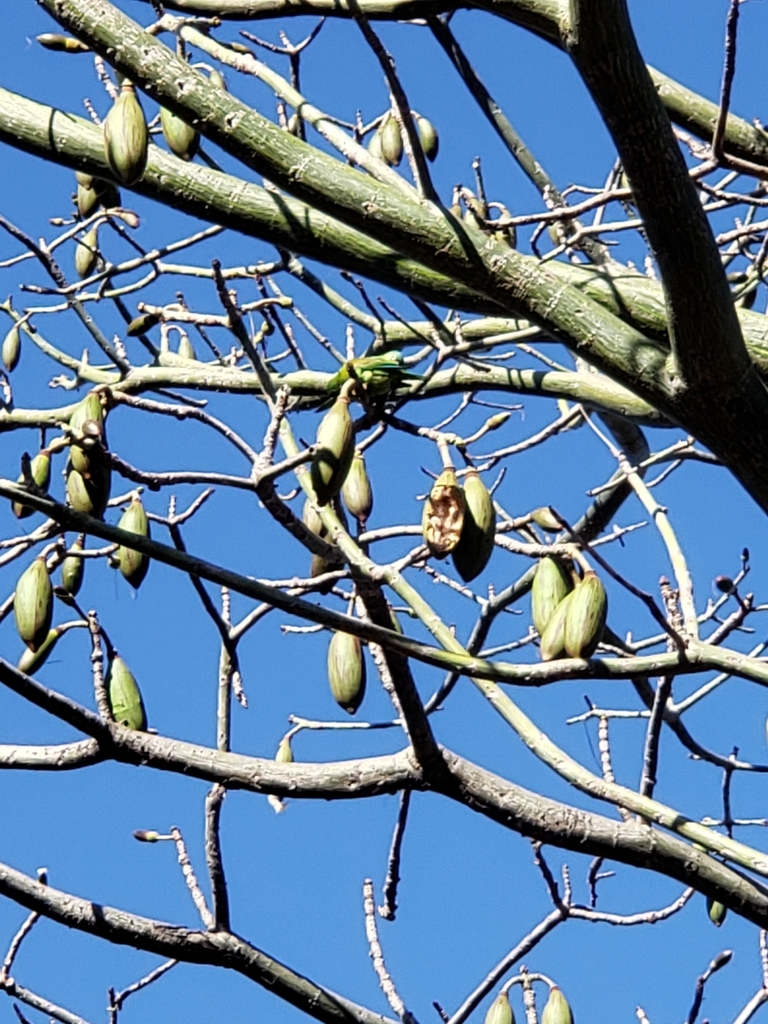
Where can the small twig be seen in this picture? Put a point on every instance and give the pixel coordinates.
(97, 667)
(219, 895)
(118, 998)
(719, 961)
(190, 878)
(729, 70)
(389, 907)
(377, 956)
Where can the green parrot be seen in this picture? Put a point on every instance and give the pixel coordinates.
(379, 374)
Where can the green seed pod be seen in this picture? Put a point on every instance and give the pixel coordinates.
(284, 753)
(87, 201)
(133, 564)
(716, 911)
(550, 585)
(89, 409)
(33, 604)
(443, 516)
(72, 569)
(428, 137)
(552, 643)
(586, 617)
(216, 78)
(124, 696)
(141, 324)
(293, 127)
(40, 471)
(500, 1011)
(182, 138)
(336, 447)
(374, 145)
(31, 661)
(356, 489)
(86, 180)
(126, 137)
(61, 44)
(346, 671)
(475, 547)
(557, 1010)
(543, 517)
(11, 349)
(89, 495)
(391, 141)
(87, 253)
(186, 350)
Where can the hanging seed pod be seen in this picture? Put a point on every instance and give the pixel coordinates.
(346, 671)
(216, 78)
(124, 696)
(133, 564)
(475, 547)
(428, 137)
(550, 585)
(284, 753)
(356, 489)
(31, 661)
(11, 349)
(72, 568)
(87, 424)
(40, 471)
(552, 643)
(182, 138)
(61, 44)
(33, 604)
(126, 137)
(500, 1011)
(186, 350)
(374, 145)
(311, 518)
(586, 617)
(87, 253)
(87, 450)
(89, 495)
(293, 127)
(391, 141)
(336, 447)
(443, 515)
(556, 1010)
(716, 911)
(87, 201)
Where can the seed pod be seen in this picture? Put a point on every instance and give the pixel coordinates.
(543, 517)
(346, 671)
(72, 569)
(182, 138)
(133, 564)
(475, 547)
(556, 1010)
(374, 145)
(428, 137)
(311, 518)
(87, 201)
(284, 753)
(145, 835)
(216, 78)
(391, 141)
(356, 489)
(87, 253)
(716, 911)
(336, 447)
(293, 127)
(33, 604)
(62, 44)
(500, 1012)
(141, 324)
(11, 349)
(124, 696)
(552, 644)
(31, 661)
(89, 495)
(550, 585)
(443, 515)
(40, 471)
(126, 137)
(586, 617)
(725, 584)
(186, 350)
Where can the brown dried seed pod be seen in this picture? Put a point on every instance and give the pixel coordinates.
(346, 671)
(443, 515)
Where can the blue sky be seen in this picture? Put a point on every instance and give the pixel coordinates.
(469, 891)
